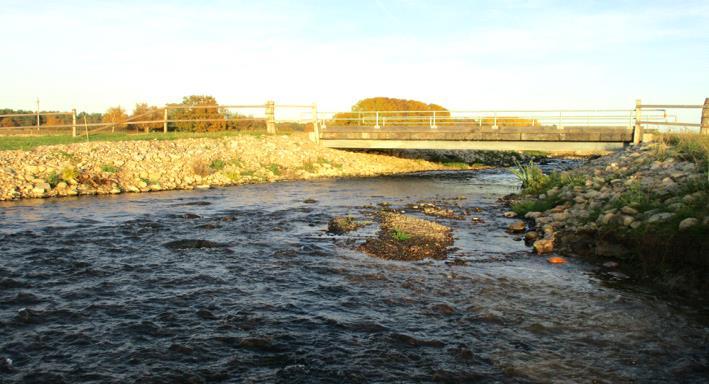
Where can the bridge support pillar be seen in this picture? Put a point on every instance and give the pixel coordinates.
(270, 117)
(704, 129)
(638, 129)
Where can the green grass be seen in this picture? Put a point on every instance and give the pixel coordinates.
(536, 153)
(275, 169)
(400, 235)
(456, 165)
(53, 179)
(535, 205)
(29, 142)
(109, 168)
(309, 167)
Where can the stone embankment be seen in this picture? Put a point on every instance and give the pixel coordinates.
(142, 166)
(648, 204)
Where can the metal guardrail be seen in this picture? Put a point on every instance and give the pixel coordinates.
(496, 118)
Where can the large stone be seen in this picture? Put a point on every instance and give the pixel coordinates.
(688, 223)
(531, 236)
(517, 227)
(659, 217)
(629, 210)
(544, 246)
(533, 215)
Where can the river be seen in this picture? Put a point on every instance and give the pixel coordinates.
(94, 290)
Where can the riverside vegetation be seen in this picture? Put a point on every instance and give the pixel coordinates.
(142, 166)
(646, 208)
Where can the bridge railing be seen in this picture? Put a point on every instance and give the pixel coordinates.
(492, 119)
(671, 122)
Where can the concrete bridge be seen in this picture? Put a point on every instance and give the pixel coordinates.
(526, 130)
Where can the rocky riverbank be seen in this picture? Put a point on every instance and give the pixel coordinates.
(645, 207)
(143, 166)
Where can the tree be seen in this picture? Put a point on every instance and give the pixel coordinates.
(143, 112)
(54, 120)
(8, 122)
(193, 108)
(408, 112)
(116, 116)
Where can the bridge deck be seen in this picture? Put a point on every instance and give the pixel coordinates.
(550, 139)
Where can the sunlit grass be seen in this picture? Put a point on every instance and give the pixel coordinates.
(29, 142)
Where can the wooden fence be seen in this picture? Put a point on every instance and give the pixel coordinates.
(265, 116)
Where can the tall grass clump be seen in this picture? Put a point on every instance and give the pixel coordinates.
(532, 177)
(688, 146)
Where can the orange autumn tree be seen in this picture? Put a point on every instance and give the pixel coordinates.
(116, 116)
(144, 112)
(392, 112)
(200, 117)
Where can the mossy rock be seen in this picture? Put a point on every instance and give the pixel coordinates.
(342, 224)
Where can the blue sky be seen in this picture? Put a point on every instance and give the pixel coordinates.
(460, 54)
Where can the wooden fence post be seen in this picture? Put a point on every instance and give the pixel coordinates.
(164, 120)
(73, 122)
(316, 128)
(37, 114)
(270, 117)
(638, 130)
(704, 129)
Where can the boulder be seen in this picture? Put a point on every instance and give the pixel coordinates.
(659, 217)
(531, 236)
(342, 224)
(688, 223)
(543, 246)
(517, 227)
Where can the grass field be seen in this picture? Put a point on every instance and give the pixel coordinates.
(29, 142)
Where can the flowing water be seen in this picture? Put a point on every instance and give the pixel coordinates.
(114, 290)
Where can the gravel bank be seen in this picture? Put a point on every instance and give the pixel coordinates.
(143, 166)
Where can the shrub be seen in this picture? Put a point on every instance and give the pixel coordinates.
(201, 167)
(233, 175)
(53, 179)
(635, 196)
(309, 167)
(275, 169)
(217, 165)
(69, 173)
